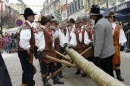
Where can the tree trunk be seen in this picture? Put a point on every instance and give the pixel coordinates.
(96, 74)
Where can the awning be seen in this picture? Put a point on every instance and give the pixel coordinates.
(106, 11)
(124, 11)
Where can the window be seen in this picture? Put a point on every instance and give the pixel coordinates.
(75, 5)
(68, 9)
(72, 8)
(81, 3)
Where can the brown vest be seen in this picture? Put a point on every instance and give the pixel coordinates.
(32, 40)
(48, 40)
(57, 44)
(116, 34)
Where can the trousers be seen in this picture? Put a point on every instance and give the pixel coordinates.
(106, 65)
(27, 67)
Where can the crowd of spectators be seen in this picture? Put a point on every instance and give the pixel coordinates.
(9, 42)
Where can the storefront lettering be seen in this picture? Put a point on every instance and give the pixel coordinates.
(120, 7)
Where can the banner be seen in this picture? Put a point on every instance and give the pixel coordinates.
(26, 5)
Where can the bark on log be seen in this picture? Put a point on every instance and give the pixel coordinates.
(96, 74)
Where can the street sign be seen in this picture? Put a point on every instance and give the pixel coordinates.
(19, 22)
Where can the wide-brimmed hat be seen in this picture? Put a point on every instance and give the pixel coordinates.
(28, 12)
(49, 17)
(79, 20)
(86, 18)
(71, 20)
(111, 14)
(95, 10)
(55, 21)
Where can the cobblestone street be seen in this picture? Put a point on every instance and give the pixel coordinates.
(70, 79)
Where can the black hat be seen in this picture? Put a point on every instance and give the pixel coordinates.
(28, 12)
(71, 21)
(95, 10)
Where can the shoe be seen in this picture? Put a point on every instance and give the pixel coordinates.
(56, 80)
(60, 75)
(84, 74)
(23, 84)
(77, 72)
(118, 73)
(45, 82)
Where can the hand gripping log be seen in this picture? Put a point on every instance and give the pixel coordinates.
(95, 73)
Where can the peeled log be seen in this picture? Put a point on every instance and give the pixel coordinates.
(96, 74)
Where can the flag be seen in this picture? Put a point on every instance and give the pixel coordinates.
(2, 7)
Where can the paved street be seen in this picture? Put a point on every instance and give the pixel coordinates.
(14, 68)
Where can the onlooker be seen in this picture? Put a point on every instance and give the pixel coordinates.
(5, 42)
(1, 44)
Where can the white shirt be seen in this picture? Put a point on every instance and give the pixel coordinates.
(122, 37)
(80, 34)
(71, 28)
(63, 38)
(25, 36)
(40, 40)
(73, 40)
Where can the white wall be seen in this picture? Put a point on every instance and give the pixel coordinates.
(69, 1)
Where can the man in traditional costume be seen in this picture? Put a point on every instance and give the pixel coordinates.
(26, 47)
(88, 41)
(45, 47)
(118, 39)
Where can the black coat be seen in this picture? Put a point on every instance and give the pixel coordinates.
(4, 76)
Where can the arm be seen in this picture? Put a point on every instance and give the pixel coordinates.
(41, 41)
(99, 40)
(55, 34)
(25, 36)
(122, 37)
(86, 38)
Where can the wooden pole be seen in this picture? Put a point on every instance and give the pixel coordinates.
(86, 50)
(96, 74)
(64, 57)
(51, 76)
(62, 61)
